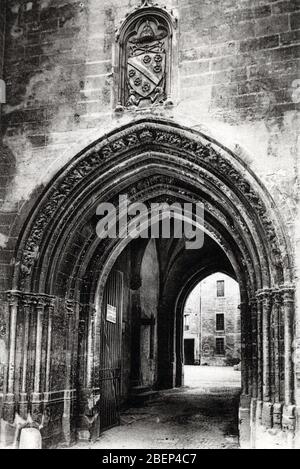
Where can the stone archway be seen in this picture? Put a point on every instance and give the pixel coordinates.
(61, 265)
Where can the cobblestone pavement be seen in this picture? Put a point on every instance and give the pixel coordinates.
(203, 414)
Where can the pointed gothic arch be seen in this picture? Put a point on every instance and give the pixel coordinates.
(61, 264)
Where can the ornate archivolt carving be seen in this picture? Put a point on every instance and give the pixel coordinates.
(98, 257)
(278, 294)
(146, 190)
(150, 135)
(15, 297)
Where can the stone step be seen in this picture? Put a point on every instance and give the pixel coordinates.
(143, 397)
(139, 389)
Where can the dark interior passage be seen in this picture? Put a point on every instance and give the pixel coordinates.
(143, 319)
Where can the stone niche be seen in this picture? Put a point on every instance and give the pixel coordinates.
(145, 58)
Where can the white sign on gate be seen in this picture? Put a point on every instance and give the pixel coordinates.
(111, 313)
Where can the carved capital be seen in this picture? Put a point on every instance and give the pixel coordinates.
(265, 295)
(288, 293)
(40, 304)
(13, 297)
(277, 297)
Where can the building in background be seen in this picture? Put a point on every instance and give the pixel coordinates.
(212, 322)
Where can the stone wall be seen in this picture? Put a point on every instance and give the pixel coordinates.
(2, 34)
(237, 68)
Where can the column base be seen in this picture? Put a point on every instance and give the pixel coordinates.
(272, 426)
(277, 415)
(259, 411)
(244, 422)
(7, 435)
(9, 408)
(23, 406)
(267, 414)
(37, 408)
(289, 417)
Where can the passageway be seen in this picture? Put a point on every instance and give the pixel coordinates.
(100, 322)
(201, 415)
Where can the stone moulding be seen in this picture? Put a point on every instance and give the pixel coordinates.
(151, 135)
(151, 159)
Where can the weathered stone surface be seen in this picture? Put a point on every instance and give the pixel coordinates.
(234, 78)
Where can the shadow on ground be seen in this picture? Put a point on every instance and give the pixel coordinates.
(200, 416)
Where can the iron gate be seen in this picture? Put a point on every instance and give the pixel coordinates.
(110, 350)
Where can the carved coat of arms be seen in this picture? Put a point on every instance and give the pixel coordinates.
(146, 64)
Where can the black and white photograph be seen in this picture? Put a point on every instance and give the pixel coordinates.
(149, 227)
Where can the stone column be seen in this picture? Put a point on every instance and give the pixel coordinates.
(259, 361)
(254, 384)
(276, 311)
(244, 358)
(7, 430)
(9, 398)
(47, 390)
(254, 371)
(36, 397)
(26, 305)
(13, 309)
(90, 348)
(40, 309)
(66, 419)
(266, 317)
(245, 400)
(49, 344)
(288, 311)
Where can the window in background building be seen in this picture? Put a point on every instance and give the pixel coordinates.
(220, 322)
(220, 288)
(220, 346)
(186, 322)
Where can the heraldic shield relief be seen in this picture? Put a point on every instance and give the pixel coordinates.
(146, 64)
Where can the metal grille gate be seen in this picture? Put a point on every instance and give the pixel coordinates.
(110, 358)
